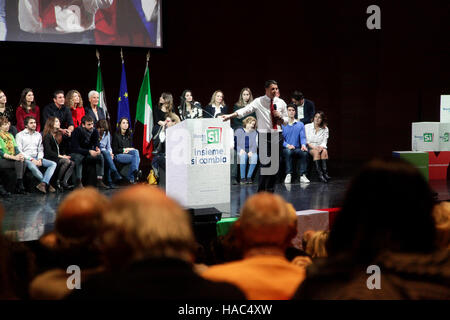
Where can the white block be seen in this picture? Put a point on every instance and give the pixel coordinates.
(445, 108)
(425, 136)
(310, 220)
(444, 132)
(198, 163)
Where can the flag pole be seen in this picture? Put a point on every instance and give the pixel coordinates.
(121, 55)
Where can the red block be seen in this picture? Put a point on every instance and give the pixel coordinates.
(438, 164)
(332, 212)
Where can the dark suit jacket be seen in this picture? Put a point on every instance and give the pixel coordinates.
(100, 111)
(163, 279)
(308, 111)
(210, 110)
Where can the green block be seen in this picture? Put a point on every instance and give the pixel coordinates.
(224, 225)
(418, 159)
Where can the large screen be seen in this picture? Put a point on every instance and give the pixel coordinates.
(135, 23)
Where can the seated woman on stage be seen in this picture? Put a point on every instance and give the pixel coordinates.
(75, 103)
(122, 147)
(10, 157)
(108, 155)
(245, 97)
(159, 143)
(54, 151)
(216, 106)
(317, 134)
(27, 107)
(94, 110)
(188, 108)
(165, 106)
(6, 110)
(246, 147)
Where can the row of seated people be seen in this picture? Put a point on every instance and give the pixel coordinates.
(299, 141)
(53, 152)
(69, 109)
(141, 244)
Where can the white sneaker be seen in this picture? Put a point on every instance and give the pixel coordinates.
(304, 179)
(288, 178)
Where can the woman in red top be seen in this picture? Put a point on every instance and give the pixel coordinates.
(27, 107)
(75, 103)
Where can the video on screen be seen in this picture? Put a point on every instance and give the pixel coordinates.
(134, 23)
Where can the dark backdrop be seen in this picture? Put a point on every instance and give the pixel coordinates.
(371, 83)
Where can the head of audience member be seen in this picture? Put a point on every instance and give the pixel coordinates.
(217, 98)
(186, 96)
(77, 226)
(27, 100)
(4, 124)
(30, 123)
(87, 123)
(249, 123)
(102, 127)
(245, 97)
(320, 119)
(388, 207)
(307, 235)
(291, 110)
(143, 223)
(94, 98)
(58, 98)
(271, 88)
(2, 98)
(316, 245)
(297, 98)
(266, 224)
(441, 214)
(166, 100)
(124, 127)
(74, 100)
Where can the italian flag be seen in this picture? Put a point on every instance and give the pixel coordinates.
(101, 91)
(144, 114)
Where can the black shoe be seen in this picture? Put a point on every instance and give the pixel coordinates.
(66, 186)
(20, 189)
(3, 192)
(112, 186)
(137, 175)
(319, 171)
(325, 169)
(249, 181)
(101, 185)
(234, 182)
(243, 181)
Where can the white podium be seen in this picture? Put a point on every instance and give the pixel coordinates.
(198, 164)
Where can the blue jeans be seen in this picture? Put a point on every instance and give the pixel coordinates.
(243, 163)
(50, 165)
(298, 154)
(130, 157)
(109, 166)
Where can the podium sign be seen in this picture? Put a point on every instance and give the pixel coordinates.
(198, 163)
(445, 108)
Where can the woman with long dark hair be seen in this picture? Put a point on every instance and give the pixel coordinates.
(317, 134)
(54, 151)
(189, 108)
(122, 147)
(27, 107)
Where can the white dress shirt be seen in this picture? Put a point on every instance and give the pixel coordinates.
(30, 144)
(319, 138)
(261, 106)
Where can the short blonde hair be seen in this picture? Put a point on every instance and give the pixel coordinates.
(266, 220)
(247, 120)
(141, 222)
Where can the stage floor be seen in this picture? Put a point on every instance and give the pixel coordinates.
(27, 217)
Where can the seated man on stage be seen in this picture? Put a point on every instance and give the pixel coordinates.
(86, 145)
(294, 145)
(59, 110)
(30, 145)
